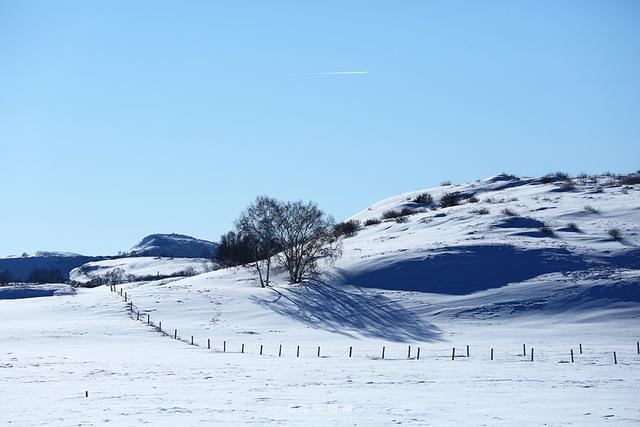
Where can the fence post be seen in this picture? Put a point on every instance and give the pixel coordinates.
(383, 352)
(125, 297)
(532, 349)
(175, 334)
(638, 346)
(580, 348)
(298, 352)
(138, 316)
(492, 353)
(260, 349)
(224, 346)
(148, 319)
(208, 343)
(318, 351)
(86, 393)
(409, 353)
(242, 351)
(524, 349)
(418, 356)
(280, 351)
(615, 359)
(453, 354)
(467, 350)
(350, 350)
(191, 339)
(571, 355)
(160, 326)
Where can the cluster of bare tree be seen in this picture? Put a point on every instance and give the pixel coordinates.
(294, 235)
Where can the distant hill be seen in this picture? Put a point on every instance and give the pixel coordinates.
(21, 267)
(174, 245)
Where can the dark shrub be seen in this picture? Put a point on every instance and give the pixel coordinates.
(546, 230)
(615, 234)
(572, 226)
(391, 213)
(473, 199)
(481, 211)
(631, 179)
(445, 183)
(508, 212)
(449, 199)
(423, 199)
(591, 209)
(371, 221)
(401, 219)
(567, 186)
(547, 179)
(347, 228)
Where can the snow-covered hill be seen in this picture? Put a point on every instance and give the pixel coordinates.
(174, 245)
(139, 268)
(20, 268)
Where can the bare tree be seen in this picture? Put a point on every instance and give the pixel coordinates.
(305, 235)
(257, 226)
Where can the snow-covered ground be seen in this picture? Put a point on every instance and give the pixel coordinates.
(445, 278)
(141, 267)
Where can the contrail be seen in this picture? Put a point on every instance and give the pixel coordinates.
(339, 73)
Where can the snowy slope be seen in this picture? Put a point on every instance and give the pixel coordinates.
(140, 268)
(174, 245)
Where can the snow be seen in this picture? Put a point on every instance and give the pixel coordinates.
(434, 282)
(141, 267)
(174, 245)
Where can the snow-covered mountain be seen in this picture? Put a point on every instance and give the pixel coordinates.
(174, 245)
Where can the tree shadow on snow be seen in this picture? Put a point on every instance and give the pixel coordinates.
(328, 305)
(462, 270)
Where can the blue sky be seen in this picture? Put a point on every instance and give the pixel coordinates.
(120, 119)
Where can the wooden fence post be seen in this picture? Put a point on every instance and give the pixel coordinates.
(148, 319)
(208, 343)
(492, 353)
(532, 349)
(615, 359)
(638, 346)
(467, 350)
(138, 316)
(175, 334)
(453, 354)
(280, 351)
(260, 349)
(242, 351)
(571, 355)
(418, 355)
(350, 350)
(298, 352)
(125, 297)
(580, 348)
(383, 352)
(524, 349)
(224, 346)
(191, 339)
(160, 326)
(409, 353)
(318, 351)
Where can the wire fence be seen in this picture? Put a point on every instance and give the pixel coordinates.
(411, 352)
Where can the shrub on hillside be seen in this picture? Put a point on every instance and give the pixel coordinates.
(473, 199)
(508, 212)
(445, 183)
(591, 209)
(371, 221)
(572, 226)
(347, 228)
(423, 199)
(481, 211)
(567, 186)
(401, 219)
(449, 199)
(391, 213)
(546, 230)
(615, 234)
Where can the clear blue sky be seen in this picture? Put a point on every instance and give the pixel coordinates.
(124, 118)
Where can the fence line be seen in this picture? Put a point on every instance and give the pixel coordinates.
(137, 313)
